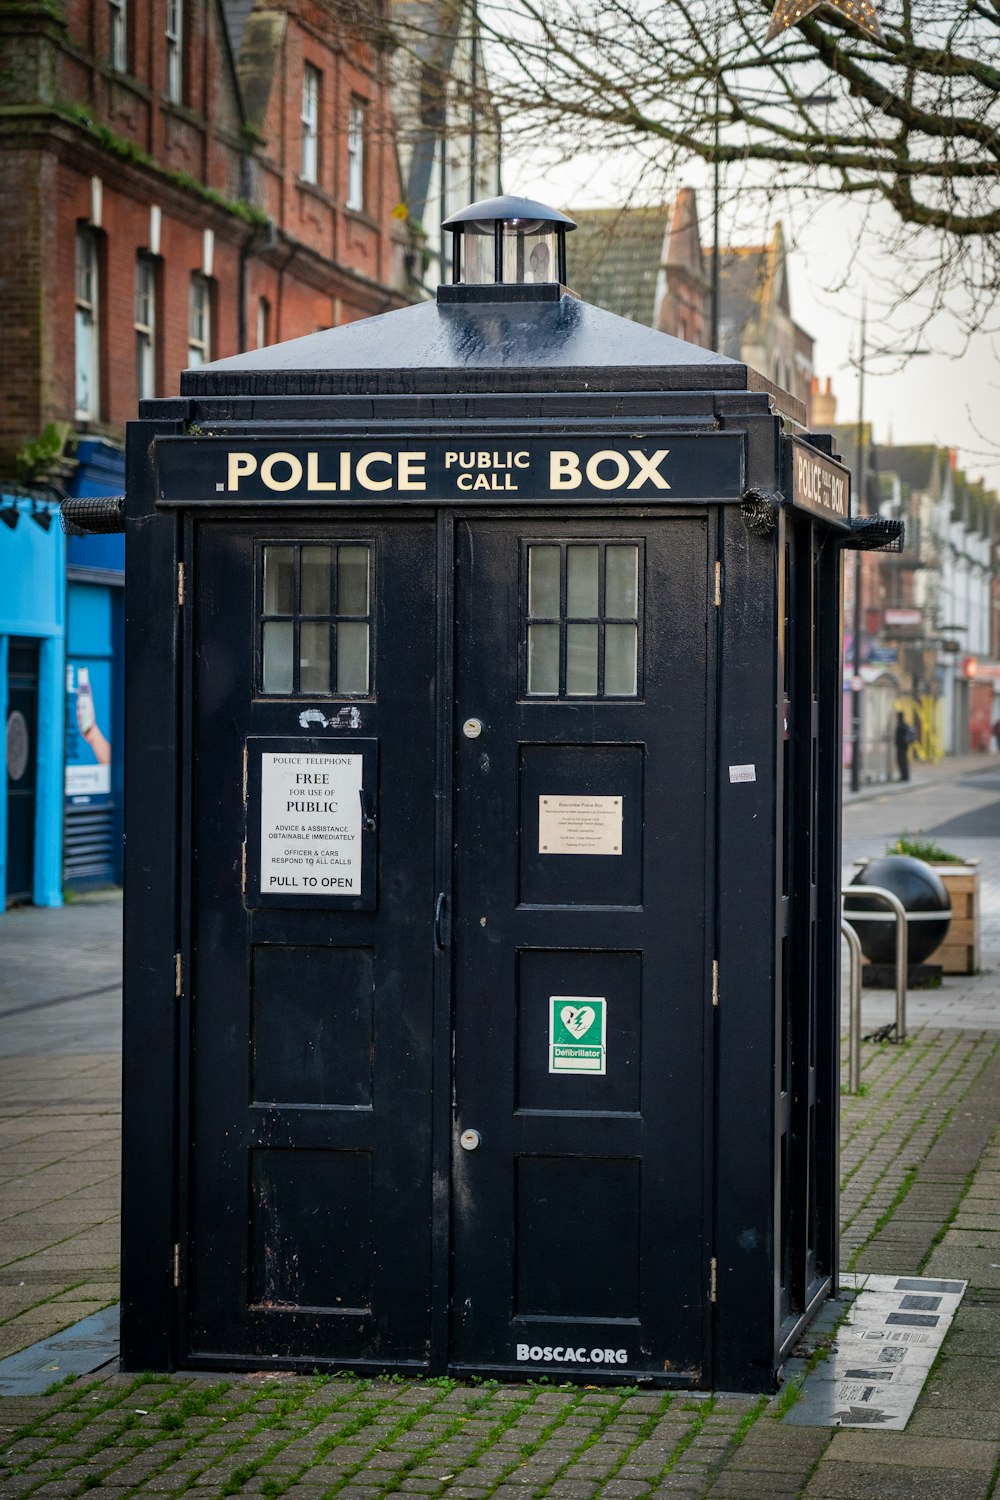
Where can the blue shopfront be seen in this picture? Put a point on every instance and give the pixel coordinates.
(95, 577)
(32, 676)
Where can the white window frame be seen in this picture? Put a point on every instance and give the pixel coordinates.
(145, 328)
(199, 321)
(175, 51)
(356, 155)
(87, 326)
(118, 35)
(312, 81)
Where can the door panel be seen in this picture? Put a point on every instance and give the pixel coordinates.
(582, 1010)
(22, 767)
(311, 1023)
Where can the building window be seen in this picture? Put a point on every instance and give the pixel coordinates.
(199, 321)
(145, 328)
(118, 35)
(583, 619)
(175, 51)
(356, 155)
(315, 620)
(88, 367)
(309, 170)
(263, 323)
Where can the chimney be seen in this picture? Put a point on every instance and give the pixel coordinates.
(822, 406)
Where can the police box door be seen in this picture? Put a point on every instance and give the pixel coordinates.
(312, 943)
(582, 958)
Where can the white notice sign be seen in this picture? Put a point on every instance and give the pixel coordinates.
(310, 824)
(579, 825)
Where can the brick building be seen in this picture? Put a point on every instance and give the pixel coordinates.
(191, 178)
(182, 180)
(650, 264)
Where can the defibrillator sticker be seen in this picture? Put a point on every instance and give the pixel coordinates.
(577, 1040)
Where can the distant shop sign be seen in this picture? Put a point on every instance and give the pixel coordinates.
(981, 671)
(903, 619)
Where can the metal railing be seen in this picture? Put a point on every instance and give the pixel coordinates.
(854, 1032)
(854, 1024)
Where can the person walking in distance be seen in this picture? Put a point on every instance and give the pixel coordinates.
(904, 739)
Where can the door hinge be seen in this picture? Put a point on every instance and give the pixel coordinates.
(180, 583)
(177, 1265)
(718, 584)
(243, 869)
(178, 975)
(713, 1271)
(245, 774)
(715, 981)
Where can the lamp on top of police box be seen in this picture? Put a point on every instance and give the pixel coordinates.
(508, 241)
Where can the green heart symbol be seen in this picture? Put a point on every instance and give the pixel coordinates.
(578, 1019)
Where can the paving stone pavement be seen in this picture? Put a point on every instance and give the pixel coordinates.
(920, 1167)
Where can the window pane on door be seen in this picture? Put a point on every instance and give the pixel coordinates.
(581, 661)
(321, 645)
(621, 582)
(543, 659)
(582, 567)
(621, 661)
(352, 580)
(316, 580)
(352, 658)
(314, 656)
(583, 619)
(279, 580)
(278, 656)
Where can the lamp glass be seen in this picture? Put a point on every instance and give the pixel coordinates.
(478, 256)
(529, 251)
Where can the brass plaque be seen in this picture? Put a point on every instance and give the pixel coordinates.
(579, 825)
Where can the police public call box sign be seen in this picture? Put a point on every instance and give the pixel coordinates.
(193, 472)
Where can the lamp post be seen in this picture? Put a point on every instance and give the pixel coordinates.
(859, 460)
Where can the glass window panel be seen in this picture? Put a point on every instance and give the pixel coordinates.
(621, 582)
(315, 581)
(621, 661)
(543, 582)
(352, 657)
(352, 582)
(581, 661)
(581, 582)
(314, 656)
(478, 254)
(529, 255)
(279, 580)
(543, 658)
(278, 646)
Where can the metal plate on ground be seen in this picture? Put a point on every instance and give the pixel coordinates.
(79, 1350)
(881, 1354)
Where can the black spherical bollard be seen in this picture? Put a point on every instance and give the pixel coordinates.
(924, 897)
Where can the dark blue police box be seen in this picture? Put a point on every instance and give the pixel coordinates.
(482, 936)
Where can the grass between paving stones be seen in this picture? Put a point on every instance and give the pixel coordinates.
(65, 1432)
(933, 1075)
(293, 1404)
(408, 1462)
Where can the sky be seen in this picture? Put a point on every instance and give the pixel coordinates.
(948, 395)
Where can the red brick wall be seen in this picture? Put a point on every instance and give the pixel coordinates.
(319, 264)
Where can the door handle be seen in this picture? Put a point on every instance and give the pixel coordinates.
(367, 810)
(440, 922)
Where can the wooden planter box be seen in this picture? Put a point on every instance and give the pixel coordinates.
(959, 953)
